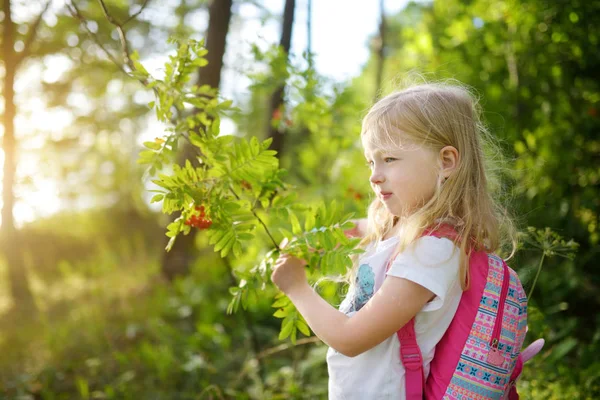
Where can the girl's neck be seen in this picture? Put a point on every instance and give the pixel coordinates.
(393, 231)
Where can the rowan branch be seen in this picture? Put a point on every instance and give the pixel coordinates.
(32, 33)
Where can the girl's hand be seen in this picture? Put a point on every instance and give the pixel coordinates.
(288, 272)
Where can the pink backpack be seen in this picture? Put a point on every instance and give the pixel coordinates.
(479, 357)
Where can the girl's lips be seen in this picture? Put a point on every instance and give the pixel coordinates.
(386, 196)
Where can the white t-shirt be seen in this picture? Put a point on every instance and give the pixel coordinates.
(378, 373)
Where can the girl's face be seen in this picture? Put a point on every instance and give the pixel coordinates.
(403, 179)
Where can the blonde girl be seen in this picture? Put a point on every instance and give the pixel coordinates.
(425, 148)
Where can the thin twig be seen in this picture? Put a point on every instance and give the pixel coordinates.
(33, 33)
(122, 37)
(537, 275)
(285, 346)
(134, 16)
(76, 13)
(259, 220)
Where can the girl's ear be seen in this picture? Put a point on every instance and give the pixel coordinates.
(449, 160)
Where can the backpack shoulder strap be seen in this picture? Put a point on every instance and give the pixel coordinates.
(411, 357)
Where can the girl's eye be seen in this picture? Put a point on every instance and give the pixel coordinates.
(386, 159)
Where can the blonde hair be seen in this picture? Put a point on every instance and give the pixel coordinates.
(436, 115)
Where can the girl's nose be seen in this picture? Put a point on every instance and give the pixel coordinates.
(376, 177)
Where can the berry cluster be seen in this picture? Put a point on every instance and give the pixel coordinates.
(199, 221)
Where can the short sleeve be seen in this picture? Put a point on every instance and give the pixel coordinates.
(432, 263)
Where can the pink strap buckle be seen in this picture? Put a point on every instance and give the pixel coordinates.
(411, 356)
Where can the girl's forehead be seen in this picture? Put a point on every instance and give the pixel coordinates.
(373, 150)
(385, 138)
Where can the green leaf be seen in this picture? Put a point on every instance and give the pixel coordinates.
(157, 198)
(153, 145)
(267, 142)
(309, 222)
(329, 241)
(231, 206)
(224, 241)
(293, 334)
(282, 302)
(281, 313)
(245, 236)
(296, 229)
(216, 127)
(225, 104)
(302, 327)
(234, 304)
(287, 325)
(227, 248)
(216, 236)
(237, 249)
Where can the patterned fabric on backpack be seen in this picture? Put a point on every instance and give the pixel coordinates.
(490, 353)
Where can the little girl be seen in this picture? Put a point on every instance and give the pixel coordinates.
(424, 146)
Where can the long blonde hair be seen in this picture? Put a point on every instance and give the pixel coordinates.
(436, 115)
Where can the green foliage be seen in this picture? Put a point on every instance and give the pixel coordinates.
(550, 244)
(147, 339)
(235, 177)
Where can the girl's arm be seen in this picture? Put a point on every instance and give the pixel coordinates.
(393, 305)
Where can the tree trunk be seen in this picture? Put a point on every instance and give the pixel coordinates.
(380, 52)
(19, 285)
(184, 252)
(277, 97)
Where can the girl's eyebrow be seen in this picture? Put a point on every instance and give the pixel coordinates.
(374, 153)
(379, 152)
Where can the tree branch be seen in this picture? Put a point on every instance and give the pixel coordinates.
(122, 35)
(77, 14)
(259, 220)
(32, 34)
(134, 16)
(285, 346)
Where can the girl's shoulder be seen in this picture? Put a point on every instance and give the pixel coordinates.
(431, 249)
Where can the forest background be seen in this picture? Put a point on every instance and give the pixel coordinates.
(91, 305)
